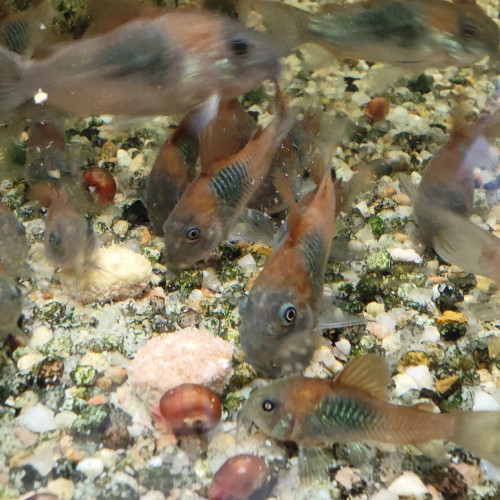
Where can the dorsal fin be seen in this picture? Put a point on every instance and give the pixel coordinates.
(369, 372)
(225, 135)
(284, 187)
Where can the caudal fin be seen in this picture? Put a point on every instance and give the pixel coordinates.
(479, 433)
(11, 95)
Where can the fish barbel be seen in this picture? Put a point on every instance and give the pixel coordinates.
(354, 408)
(416, 33)
(169, 64)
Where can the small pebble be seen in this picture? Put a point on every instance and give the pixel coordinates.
(91, 467)
(403, 384)
(421, 375)
(123, 157)
(38, 419)
(408, 485)
(377, 109)
(405, 255)
(484, 402)
(247, 264)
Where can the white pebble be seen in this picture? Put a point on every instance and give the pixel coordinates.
(484, 402)
(421, 375)
(408, 485)
(64, 420)
(247, 264)
(430, 334)
(211, 281)
(344, 346)
(38, 418)
(91, 467)
(41, 335)
(123, 157)
(27, 361)
(385, 495)
(404, 255)
(403, 384)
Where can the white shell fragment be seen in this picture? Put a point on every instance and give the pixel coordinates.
(117, 273)
(404, 255)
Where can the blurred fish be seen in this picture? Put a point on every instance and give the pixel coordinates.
(46, 154)
(448, 181)
(354, 408)
(165, 65)
(415, 34)
(13, 244)
(69, 240)
(213, 202)
(285, 300)
(445, 197)
(11, 303)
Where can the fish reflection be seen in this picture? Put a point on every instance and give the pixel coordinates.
(417, 33)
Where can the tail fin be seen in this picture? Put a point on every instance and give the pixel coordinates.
(287, 25)
(11, 95)
(479, 433)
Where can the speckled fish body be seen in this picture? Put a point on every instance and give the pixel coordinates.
(416, 33)
(213, 201)
(13, 244)
(165, 65)
(353, 408)
(69, 239)
(285, 298)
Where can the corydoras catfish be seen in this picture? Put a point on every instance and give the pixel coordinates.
(69, 240)
(284, 300)
(169, 64)
(416, 33)
(444, 199)
(175, 165)
(354, 408)
(212, 203)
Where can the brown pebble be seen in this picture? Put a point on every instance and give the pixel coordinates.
(190, 409)
(101, 182)
(239, 478)
(447, 386)
(377, 109)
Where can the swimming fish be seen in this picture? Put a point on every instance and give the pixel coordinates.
(169, 64)
(69, 240)
(354, 408)
(13, 244)
(285, 298)
(444, 199)
(175, 166)
(212, 203)
(415, 34)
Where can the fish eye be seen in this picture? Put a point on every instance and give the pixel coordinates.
(288, 314)
(268, 405)
(193, 233)
(54, 239)
(239, 46)
(468, 30)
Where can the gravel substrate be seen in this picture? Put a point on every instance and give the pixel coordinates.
(75, 415)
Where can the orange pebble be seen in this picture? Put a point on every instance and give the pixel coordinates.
(377, 109)
(238, 478)
(190, 409)
(102, 182)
